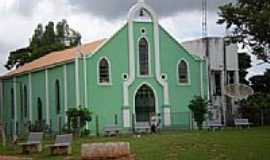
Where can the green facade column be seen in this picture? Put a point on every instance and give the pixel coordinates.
(77, 82)
(47, 98)
(30, 96)
(65, 91)
(15, 107)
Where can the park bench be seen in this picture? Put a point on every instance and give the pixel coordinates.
(142, 127)
(241, 122)
(215, 124)
(62, 145)
(111, 130)
(33, 143)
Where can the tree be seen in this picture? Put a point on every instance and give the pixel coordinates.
(44, 42)
(244, 62)
(261, 83)
(77, 118)
(257, 103)
(198, 106)
(249, 21)
(18, 57)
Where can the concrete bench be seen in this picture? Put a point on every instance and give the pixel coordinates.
(142, 127)
(102, 151)
(241, 122)
(111, 130)
(62, 145)
(33, 143)
(215, 124)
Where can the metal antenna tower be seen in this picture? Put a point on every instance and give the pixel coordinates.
(204, 19)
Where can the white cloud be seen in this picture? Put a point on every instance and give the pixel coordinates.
(17, 25)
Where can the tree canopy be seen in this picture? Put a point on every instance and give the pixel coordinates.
(249, 21)
(244, 61)
(43, 41)
(261, 83)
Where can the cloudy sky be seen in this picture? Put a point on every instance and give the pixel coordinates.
(96, 19)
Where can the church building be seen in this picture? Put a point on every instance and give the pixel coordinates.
(140, 71)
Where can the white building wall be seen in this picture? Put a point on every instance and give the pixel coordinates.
(216, 52)
(216, 62)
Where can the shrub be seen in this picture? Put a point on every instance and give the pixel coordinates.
(198, 106)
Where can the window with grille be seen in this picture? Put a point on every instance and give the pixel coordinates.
(143, 57)
(183, 72)
(104, 76)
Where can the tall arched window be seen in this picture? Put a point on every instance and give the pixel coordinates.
(143, 57)
(12, 104)
(183, 72)
(39, 107)
(25, 100)
(104, 71)
(57, 97)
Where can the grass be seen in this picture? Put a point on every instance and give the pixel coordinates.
(231, 144)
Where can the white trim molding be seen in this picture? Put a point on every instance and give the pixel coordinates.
(47, 97)
(85, 82)
(30, 97)
(15, 106)
(167, 116)
(77, 82)
(131, 15)
(65, 91)
(188, 73)
(110, 72)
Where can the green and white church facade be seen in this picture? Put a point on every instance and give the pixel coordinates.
(139, 71)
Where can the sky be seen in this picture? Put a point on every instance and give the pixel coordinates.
(96, 19)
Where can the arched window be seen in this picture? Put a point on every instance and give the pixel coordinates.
(183, 72)
(25, 100)
(143, 57)
(57, 97)
(39, 107)
(12, 104)
(104, 71)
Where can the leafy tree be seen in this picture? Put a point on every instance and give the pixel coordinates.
(257, 103)
(261, 83)
(18, 57)
(77, 118)
(249, 21)
(244, 62)
(43, 42)
(198, 106)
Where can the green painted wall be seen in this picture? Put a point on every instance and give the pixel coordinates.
(106, 101)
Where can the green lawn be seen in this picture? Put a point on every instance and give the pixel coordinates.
(245, 144)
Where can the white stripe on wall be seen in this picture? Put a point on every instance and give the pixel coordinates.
(65, 90)
(47, 98)
(15, 105)
(30, 96)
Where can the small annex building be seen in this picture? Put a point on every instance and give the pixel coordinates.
(139, 71)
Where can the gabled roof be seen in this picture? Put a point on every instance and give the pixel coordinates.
(54, 58)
